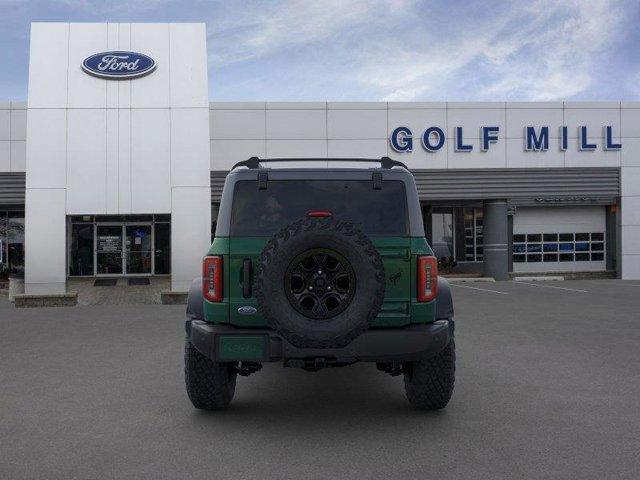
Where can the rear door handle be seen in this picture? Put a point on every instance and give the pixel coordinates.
(247, 270)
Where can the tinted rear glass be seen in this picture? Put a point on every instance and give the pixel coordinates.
(264, 212)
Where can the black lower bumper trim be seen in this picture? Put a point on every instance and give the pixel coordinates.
(377, 345)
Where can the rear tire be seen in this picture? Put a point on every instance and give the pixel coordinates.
(429, 383)
(210, 385)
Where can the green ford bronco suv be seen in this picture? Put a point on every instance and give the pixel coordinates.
(319, 267)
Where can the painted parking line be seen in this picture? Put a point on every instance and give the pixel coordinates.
(476, 288)
(552, 286)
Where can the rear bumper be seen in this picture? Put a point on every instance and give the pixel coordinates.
(223, 343)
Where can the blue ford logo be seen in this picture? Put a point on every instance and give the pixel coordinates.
(118, 65)
(247, 310)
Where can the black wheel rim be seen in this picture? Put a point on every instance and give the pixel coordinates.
(320, 283)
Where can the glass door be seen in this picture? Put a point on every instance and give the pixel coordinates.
(109, 250)
(162, 241)
(442, 233)
(139, 249)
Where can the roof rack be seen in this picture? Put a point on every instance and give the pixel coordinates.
(254, 162)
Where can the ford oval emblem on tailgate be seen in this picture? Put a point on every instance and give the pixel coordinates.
(247, 310)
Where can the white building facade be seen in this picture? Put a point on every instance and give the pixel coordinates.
(122, 176)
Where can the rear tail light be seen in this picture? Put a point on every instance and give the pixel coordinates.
(427, 278)
(212, 279)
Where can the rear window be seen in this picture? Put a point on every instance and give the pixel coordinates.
(380, 212)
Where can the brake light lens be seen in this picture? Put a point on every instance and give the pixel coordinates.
(212, 278)
(319, 213)
(427, 278)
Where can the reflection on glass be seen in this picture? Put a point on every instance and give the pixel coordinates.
(109, 249)
(569, 250)
(442, 234)
(81, 249)
(3, 241)
(138, 244)
(163, 248)
(15, 242)
(566, 247)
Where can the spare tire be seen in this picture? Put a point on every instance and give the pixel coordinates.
(320, 282)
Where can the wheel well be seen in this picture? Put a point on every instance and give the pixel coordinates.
(444, 302)
(195, 309)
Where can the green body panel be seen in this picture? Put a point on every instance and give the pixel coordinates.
(241, 347)
(398, 255)
(241, 249)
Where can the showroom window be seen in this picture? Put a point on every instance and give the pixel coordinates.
(473, 219)
(455, 233)
(11, 242)
(558, 247)
(120, 245)
(4, 268)
(442, 233)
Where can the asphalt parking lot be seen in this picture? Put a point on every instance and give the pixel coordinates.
(548, 386)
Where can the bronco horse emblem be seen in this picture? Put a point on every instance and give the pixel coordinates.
(395, 277)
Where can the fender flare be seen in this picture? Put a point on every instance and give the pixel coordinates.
(195, 309)
(444, 302)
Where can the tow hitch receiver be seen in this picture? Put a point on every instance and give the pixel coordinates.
(317, 363)
(247, 368)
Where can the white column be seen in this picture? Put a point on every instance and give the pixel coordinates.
(190, 234)
(630, 223)
(190, 194)
(45, 241)
(630, 191)
(190, 164)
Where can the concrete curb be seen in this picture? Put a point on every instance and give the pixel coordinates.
(470, 279)
(173, 298)
(538, 278)
(23, 300)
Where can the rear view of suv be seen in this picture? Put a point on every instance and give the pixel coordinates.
(319, 267)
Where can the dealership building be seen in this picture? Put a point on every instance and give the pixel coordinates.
(114, 165)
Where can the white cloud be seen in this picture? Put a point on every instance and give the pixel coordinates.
(100, 7)
(546, 51)
(247, 33)
(407, 50)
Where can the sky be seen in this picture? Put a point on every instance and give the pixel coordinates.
(377, 50)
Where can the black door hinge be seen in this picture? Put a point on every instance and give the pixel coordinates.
(377, 180)
(262, 180)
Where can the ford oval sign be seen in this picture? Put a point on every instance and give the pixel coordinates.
(118, 65)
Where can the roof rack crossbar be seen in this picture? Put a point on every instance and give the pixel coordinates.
(254, 162)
